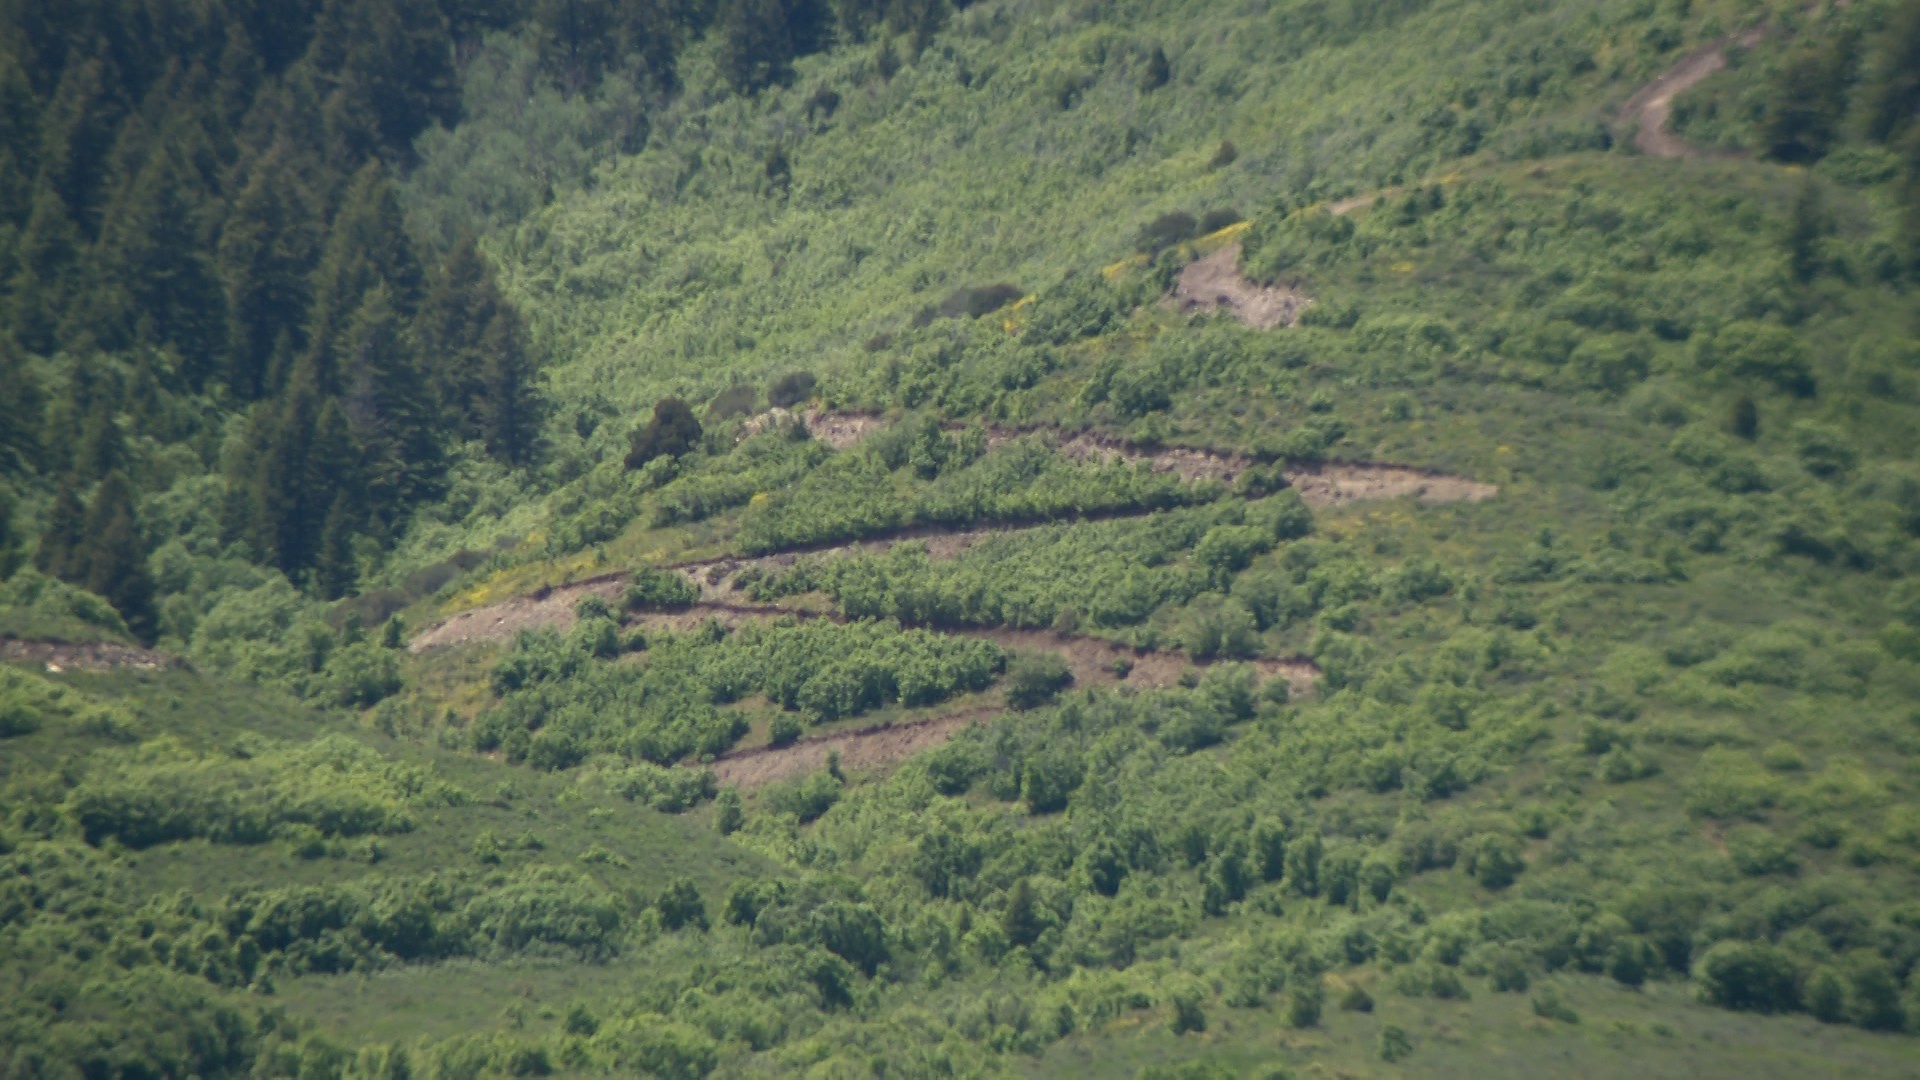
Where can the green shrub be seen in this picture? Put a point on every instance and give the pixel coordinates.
(736, 400)
(659, 590)
(1165, 231)
(672, 431)
(1394, 1045)
(791, 389)
(1749, 976)
(1033, 679)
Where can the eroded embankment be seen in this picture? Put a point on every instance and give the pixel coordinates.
(59, 656)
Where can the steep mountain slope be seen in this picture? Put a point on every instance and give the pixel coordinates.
(937, 632)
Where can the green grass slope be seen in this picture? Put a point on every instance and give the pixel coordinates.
(1610, 772)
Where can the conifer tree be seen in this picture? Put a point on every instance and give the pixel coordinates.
(76, 132)
(58, 553)
(389, 408)
(115, 559)
(756, 47)
(334, 574)
(472, 346)
(1021, 922)
(272, 473)
(268, 247)
(240, 72)
(506, 411)
(21, 415)
(102, 448)
(151, 246)
(1891, 96)
(19, 135)
(366, 247)
(48, 250)
(9, 553)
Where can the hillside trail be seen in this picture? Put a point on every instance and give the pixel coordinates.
(59, 656)
(1322, 486)
(1092, 662)
(1651, 107)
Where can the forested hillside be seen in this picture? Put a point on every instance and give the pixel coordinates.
(915, 538)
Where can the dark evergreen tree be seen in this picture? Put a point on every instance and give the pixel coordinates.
(151, 256)
(1890, 100)
(76, 132)
(473, 348)
(19, 138)
(366, 247)
(335, 572)
(268, 247)
(578, 39)
(1159, 70)
(115, 557)
(389, 408)
(1808, 102)
(397, 57)
(1021, 921)
(102, 447)
(9, 546)
(21, 417)
(756, 47)
(506, 412)
(1806, 226)
(59, 552)
(241, 72)
(272, 473)
(45, 261)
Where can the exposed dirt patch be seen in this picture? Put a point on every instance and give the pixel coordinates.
(1330, 485)
(1216, 284)
(552, 607)
(1099, 663)
(1342, 207)
(836, 429)
(840, 430)
(58, 656)
(1651, 106)
(1187, 463)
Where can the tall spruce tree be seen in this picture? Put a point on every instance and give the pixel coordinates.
(334, 573)
(76, 133)
(21, 416)
(506, 412)
(151, 248)
(367, 247)
(115, 558)
(59, 552)
(45, 265)
(268, 247)
(389, 408)
(472, 346)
